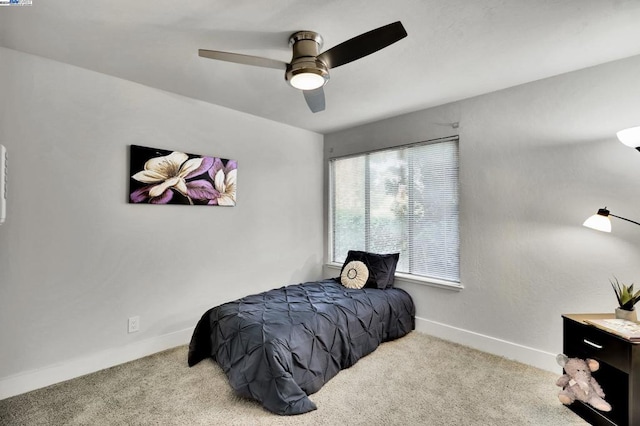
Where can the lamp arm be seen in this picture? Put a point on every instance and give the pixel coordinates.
(624, 218)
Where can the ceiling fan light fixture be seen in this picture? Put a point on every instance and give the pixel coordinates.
(307, 74)
(307, 81)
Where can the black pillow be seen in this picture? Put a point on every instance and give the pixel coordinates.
(382, 267)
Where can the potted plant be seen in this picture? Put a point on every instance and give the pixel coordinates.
(626, 300)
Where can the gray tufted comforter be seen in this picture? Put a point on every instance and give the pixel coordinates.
(281, 345)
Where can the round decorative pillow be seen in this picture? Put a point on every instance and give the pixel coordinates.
(354, 275)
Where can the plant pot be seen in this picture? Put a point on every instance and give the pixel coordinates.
(627, 315)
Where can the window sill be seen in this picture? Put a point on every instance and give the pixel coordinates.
(412, 279)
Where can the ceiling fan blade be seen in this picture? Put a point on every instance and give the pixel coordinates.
(363, 45)
(315, 99)
(256, 61)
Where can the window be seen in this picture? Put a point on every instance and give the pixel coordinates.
(400, 200)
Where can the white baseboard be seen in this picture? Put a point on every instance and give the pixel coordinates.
(524, 354)
(36, 379)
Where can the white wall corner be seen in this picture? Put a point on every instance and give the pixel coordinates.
(70, 369)
(524, 354)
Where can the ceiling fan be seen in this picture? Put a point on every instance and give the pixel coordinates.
(308, 69)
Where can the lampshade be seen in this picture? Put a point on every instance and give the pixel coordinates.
(599, 221)
(307, 81)
(630, 137)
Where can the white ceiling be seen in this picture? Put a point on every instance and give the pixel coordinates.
(455, 48)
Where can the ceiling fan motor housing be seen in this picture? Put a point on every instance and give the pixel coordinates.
(306, 46)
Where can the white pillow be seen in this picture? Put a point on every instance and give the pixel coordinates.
(354, 274)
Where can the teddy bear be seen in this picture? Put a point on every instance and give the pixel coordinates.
(577, 382)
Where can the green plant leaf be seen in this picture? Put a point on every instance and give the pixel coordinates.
(625, 295)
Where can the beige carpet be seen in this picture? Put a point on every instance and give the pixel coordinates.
(416, 380)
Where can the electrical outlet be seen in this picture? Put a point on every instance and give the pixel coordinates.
(134, 324)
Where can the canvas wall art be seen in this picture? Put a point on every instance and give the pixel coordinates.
(159, 176)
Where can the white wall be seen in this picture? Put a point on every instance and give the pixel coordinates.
(76, 260)
(535, 161)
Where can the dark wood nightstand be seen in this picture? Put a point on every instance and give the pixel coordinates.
(619, 373)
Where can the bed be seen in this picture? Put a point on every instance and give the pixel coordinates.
(280, 346)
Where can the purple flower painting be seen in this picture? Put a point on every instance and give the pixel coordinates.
(173, 177)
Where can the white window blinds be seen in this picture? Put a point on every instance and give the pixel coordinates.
(400, 200)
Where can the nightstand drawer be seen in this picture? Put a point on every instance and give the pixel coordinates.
(585, 341)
